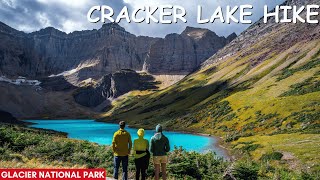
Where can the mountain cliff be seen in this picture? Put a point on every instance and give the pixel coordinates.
(94, 53)
(89, 53)
(183, 53)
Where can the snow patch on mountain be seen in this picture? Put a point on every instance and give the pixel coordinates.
(20, 81)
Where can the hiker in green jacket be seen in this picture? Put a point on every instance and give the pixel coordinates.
(159, 146)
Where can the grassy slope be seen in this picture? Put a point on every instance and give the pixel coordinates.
(292, 144)
(271, 88)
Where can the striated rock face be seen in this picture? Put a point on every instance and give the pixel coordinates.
(94, 53)
(50, 51)
(112, 86)
(262, 31)
(183, 53)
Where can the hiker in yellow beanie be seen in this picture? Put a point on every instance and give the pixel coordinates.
(141, 155)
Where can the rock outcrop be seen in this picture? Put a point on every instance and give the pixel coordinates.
(57, 83)
(183, 53)
(112, 86)
(26, 102)
(6, 117)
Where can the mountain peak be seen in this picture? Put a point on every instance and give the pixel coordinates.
(196, 33)
(231, 37)
(112, 26)
(5, 28)
(49, 30)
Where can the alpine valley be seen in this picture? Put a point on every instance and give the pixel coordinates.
(47, 72)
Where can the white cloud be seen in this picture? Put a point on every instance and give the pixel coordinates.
(10, 3)
(191, 7)
(70, 26)
(25, 28)
(66, 3)
(70, 15)
(43, 19)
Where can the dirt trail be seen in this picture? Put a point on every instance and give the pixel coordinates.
(291, 160)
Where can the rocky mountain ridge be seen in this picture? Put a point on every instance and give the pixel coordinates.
(50, 51)
(94, 53)
(183, 53)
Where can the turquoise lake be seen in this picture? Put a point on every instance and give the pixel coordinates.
(102, 133)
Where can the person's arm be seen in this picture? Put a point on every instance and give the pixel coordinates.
(134, 147)
(151, 146)
(130, 143)
(147, 144)
(114, 142)
(167, 147)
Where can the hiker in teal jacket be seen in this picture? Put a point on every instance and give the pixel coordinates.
(159, 146)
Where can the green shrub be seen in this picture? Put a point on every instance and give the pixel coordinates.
(194, 165)
(233, 136)
(16, 157)
(5, 153)
(306, 117)
(248, 126)
(250, 147)
(230, 117)
(265, 117)
(284, 174)
(287, 72)
(223, 128)
(308, 86)
(307, 176)
(246, 170)
(220, 109)
(272, 156)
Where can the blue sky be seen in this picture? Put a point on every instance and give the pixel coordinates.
(70, 15)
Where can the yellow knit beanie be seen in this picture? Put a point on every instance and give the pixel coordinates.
(140, 132)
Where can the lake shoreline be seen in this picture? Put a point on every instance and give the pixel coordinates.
(217, 141)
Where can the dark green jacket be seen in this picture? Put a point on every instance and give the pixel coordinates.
(159, 145)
